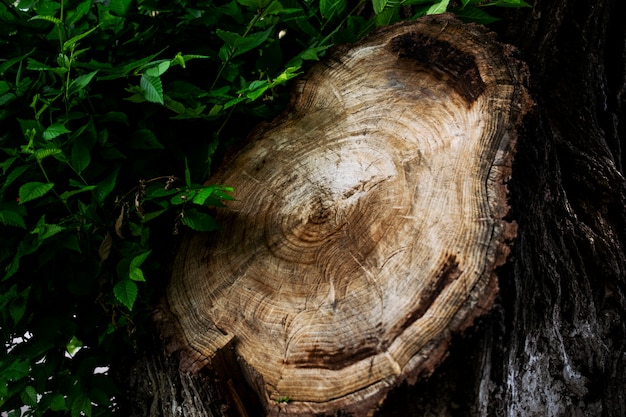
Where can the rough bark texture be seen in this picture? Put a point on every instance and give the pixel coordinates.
(556, 343)
(556, 346)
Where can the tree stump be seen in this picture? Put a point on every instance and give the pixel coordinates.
(370, 219)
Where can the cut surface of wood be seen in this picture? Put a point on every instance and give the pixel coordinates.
(369, 220)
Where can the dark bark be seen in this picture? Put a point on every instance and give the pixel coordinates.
(555, 345)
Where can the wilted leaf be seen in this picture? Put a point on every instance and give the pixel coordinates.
(104, 251)
(119, 223)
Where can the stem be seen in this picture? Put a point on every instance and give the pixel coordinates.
(343, 21)
(260, 14)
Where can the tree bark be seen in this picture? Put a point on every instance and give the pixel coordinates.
(555, 343)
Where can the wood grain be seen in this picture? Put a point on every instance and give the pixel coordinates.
(369, 221)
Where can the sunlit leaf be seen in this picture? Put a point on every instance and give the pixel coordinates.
(71, 43)
(43, 153)
(158, 69)
(55, 130)
(439, 7)
(152, 88)
(52, 19)
(135, 272)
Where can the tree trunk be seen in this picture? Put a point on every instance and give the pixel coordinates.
(555, 343)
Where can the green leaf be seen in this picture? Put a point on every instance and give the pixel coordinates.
(331, 8)
(238, 44)
(507, 3)
(81, 404)
(81, 82)
(52, 19)
(159, 69)
(120, 7)
(74, 14)
(29, 396)
(34, 65)
(254, 4)
(12, 61)
(214, 191)
(14, 174)
(135, 273)
(187, 174)
(81, 156)
(41, 154)
(55, 130)
(17, 370)
(17, 308)
(379, 5)
(126, 292)
(144, 139)
(12, 218)
(438, 8)
(104, 188)
(152, 88)
(33, 190)
(71, 43)
(58, 403)
(44, 230)
(199, 221)
(67, 194)
(474, 14)
(73, 345)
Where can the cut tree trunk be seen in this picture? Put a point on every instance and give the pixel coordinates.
(555, 342)
(369, 221)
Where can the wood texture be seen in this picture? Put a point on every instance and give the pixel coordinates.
(369, 221)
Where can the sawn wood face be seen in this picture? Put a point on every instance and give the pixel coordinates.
(369, 220)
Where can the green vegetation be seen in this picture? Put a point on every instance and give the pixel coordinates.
(112, 114)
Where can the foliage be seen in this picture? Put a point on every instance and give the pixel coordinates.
(112, 113)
